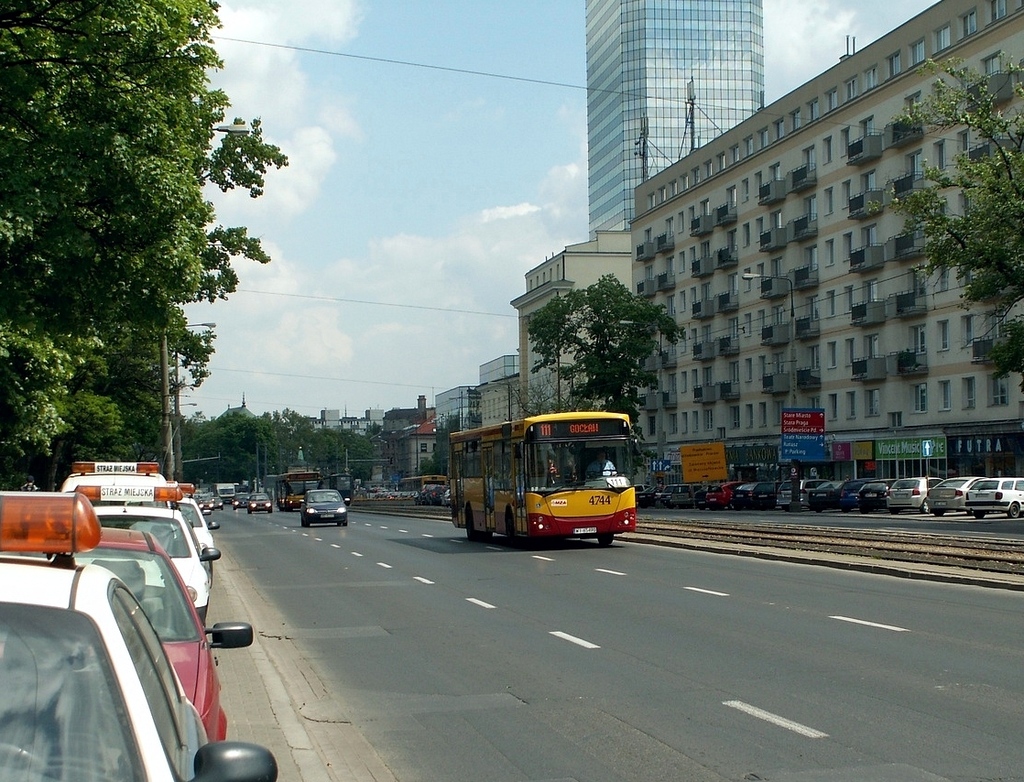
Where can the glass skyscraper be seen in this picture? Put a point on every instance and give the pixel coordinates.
(641, 58)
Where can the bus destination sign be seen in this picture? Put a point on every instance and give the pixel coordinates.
(564, 430)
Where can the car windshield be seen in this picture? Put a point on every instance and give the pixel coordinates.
(258, 497)
(61, 715)
(152, 580)
(191, 514)
(323, 495)
(167, 531)
(553, 465)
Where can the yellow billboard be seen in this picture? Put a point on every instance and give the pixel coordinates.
(703, 462)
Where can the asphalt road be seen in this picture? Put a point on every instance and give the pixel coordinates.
(466, 661)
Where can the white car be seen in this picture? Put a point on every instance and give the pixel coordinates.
(175, 535)
(202, 527)
(996, 495)
(127, 477)
(88, 691)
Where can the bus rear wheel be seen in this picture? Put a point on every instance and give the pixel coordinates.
(605, 538)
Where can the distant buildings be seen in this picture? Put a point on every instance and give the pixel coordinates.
(642, 57)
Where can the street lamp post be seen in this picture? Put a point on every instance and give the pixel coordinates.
(794, 464)
(171, 433)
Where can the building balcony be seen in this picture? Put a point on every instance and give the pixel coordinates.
(702, 267)
(776, 334)
(867, 258)
(666, 281)
(869, 369)
(729, 390)
(704, 351)
(910, 362)
(726, 258)
(646, 288)
(803, 227)
(980, 350)
(801, 178)
(998, 86)
(808, 379)
(867, 313)
(865, 149)
(771, 192)
(910, 304)
(705, 308)
(866, 204)
(728, 346)
(728, 302)
(774, 287)
(705, 394)
(699, 226)
(652, 400)
(899, 134)
(669, 399)
(774, 239)
(669, 357)
(907, 183)
(725, 214)
(664, 243)
(775, 384)
(805, 277)
(808, 328)
(905, 246)
(645, 251)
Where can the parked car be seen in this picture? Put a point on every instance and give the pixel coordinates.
(139, 561)
(88, 693)
(874, 495)
(645, 495)
(678, 495)
(700, 497)
(764, 495)
(849, 494)
(950, 496)
(786, 492)
(742, 496)
(259, 502)
(824, 496)
(911, 494)
(996, 495)
(719, 496)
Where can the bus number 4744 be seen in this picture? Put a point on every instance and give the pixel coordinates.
(600, 499)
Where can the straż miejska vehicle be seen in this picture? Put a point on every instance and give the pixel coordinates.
(88, 690)
(139, 561)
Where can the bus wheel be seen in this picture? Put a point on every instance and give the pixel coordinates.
(605, 539)
(471, 533)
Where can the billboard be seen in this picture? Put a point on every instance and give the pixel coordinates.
(702, 462)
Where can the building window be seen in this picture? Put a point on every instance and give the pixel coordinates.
(423, 447)
(851, 404)
(709, 420)
(942, 38)
(871, 77)
(831, 99)
(943, 335)
(967, 329)
(826, 149)
(748, 146)
(872, 402)
(794, 119)
(998, 8)
(921, 398)
(917, 52)
(1000, 392)
(851, 89)
(970, 393)
(734, 416)
(763, 137)
(832, 354)
(833, 407)
(895, 66)
(813, 111)
(780, 128)
(992, 65)
(969, 23)
(945, 395)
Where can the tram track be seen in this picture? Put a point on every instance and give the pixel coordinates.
(986, 554)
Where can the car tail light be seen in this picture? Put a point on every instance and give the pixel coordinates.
(916, 491)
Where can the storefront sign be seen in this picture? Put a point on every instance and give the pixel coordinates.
(985, 446)
(910, 448)
(752, 454)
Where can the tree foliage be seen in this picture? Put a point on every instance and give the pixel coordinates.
(106, 142)
(597, 341)
(972, 213)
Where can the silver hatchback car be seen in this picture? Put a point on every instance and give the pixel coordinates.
(950, 496)
(911, 494)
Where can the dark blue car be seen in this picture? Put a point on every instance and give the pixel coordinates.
(849, 494)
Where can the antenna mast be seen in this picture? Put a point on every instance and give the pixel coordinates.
(640, 149)
(691, 104)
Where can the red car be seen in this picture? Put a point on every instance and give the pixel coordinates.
(719, 497)
(139, 561)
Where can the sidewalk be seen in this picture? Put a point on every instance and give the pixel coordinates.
(274, 698)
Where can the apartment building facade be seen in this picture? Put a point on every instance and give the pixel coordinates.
(797, 286)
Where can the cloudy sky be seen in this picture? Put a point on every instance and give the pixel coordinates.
(437, 153)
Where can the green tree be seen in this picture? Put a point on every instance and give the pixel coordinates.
(596, 341)
(106, 142)
(983, 242)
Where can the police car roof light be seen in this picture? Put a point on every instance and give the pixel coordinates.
(188, 489)
(97, 492)
(115, 468)
(47, 523)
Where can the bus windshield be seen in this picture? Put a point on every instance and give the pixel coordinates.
(555, 465)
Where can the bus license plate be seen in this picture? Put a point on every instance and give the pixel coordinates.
(585, 531)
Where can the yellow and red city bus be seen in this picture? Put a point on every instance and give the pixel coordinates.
(557, 475)
(291, 487)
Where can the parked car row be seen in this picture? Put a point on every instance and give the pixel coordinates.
(108, 668)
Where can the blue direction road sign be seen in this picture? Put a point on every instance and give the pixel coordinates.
(803, 447)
